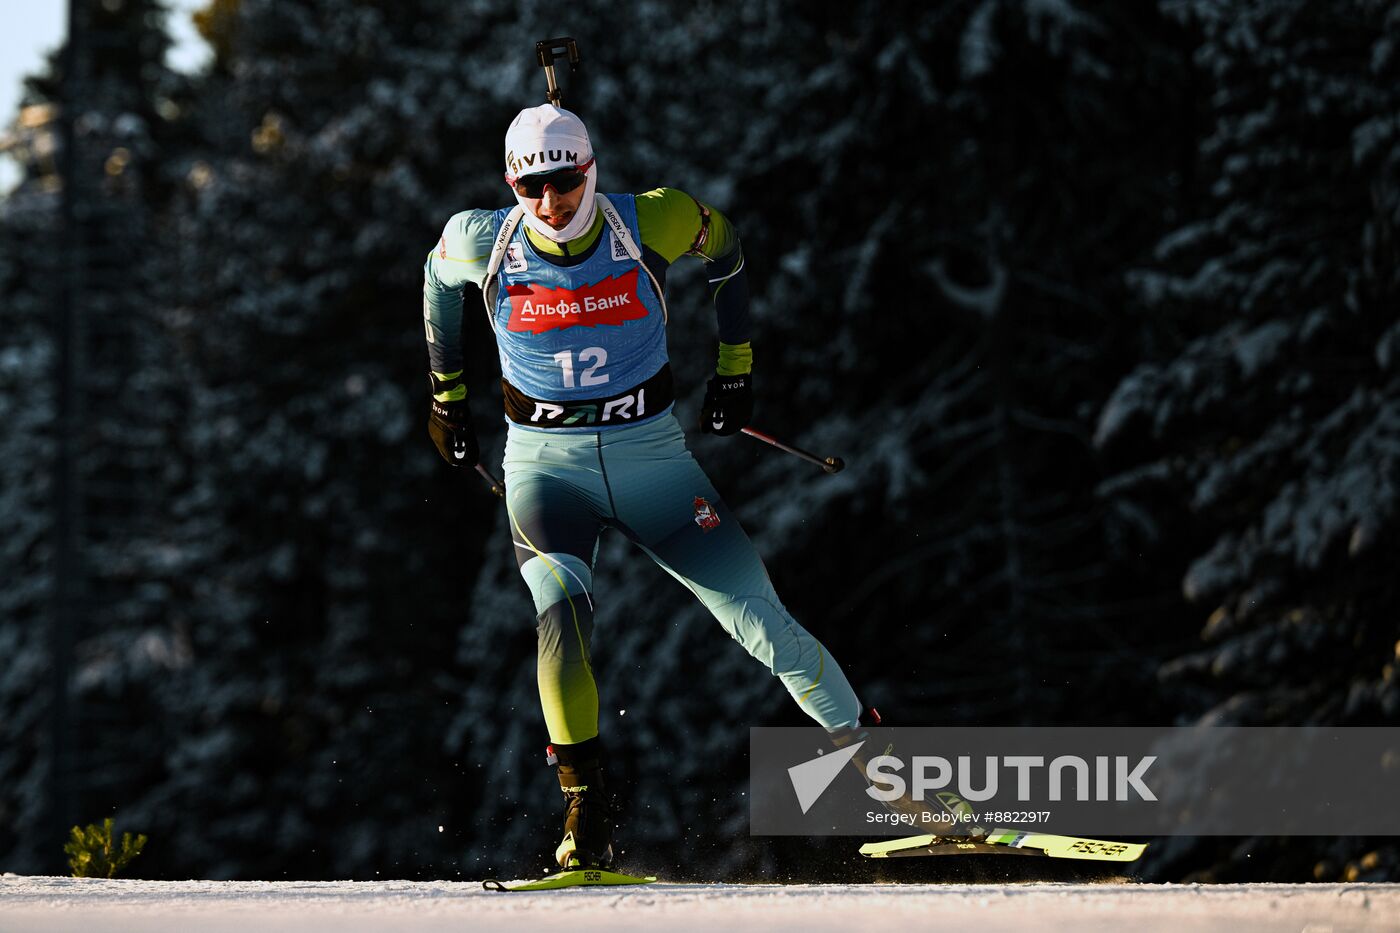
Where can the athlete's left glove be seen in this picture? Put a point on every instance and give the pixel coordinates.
(728, 404)
(450, 427)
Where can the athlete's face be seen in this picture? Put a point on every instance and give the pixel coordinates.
(554, 208)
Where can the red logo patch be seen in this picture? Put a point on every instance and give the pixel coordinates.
(442, 247)
(705, 515)
(535, 309)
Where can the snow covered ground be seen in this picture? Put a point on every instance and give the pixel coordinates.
(50, 905)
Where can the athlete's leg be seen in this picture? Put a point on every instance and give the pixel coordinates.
(554, 530)
(554, 495)
(660, 492)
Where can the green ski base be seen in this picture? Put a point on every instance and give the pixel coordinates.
(570, 879)
(1007, 842)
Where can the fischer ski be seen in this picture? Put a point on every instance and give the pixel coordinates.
(570, 879)
(1007, 842)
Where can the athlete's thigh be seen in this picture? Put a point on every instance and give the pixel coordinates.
(555, 495)
(550, 517)
(671, 508)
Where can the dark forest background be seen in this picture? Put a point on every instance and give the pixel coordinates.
(1099, 302)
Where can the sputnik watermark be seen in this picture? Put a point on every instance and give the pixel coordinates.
(1110, 778)
(1169, 780)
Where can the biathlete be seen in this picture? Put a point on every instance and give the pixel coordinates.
(573, 287)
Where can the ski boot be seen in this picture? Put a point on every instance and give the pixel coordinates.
(587, 841)
(951, 818)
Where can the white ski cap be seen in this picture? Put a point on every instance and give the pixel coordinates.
(545, 138)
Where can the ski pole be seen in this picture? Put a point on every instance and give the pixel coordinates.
(498, 487)
(829, 464)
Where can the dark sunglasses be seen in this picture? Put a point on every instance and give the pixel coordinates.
(562, 180)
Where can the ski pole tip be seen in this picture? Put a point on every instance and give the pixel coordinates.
(834, 465)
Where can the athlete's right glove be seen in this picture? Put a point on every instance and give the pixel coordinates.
(728, 404)
(450, 427)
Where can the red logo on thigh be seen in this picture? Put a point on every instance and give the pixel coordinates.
(705, 515)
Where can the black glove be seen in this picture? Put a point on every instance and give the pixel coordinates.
(728, 404)
(450, 427)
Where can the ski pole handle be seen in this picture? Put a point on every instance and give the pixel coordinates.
(829, 464)
(498, 487)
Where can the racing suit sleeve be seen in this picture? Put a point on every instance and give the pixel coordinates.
(460, 257)
(675, 224)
